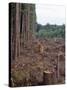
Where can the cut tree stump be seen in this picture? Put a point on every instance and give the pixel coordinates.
(49, 77)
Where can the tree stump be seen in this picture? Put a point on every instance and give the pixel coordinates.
(49, 77)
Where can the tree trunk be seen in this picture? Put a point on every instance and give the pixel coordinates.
(17, 48)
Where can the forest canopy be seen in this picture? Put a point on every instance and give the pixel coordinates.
(50, 31)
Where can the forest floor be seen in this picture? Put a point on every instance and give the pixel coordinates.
(29, 68)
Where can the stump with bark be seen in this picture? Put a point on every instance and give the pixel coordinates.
(49, 77)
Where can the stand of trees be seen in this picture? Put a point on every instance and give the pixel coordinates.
(22, 23)
(50, 31)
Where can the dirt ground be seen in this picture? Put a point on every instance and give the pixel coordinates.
(28, 69)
